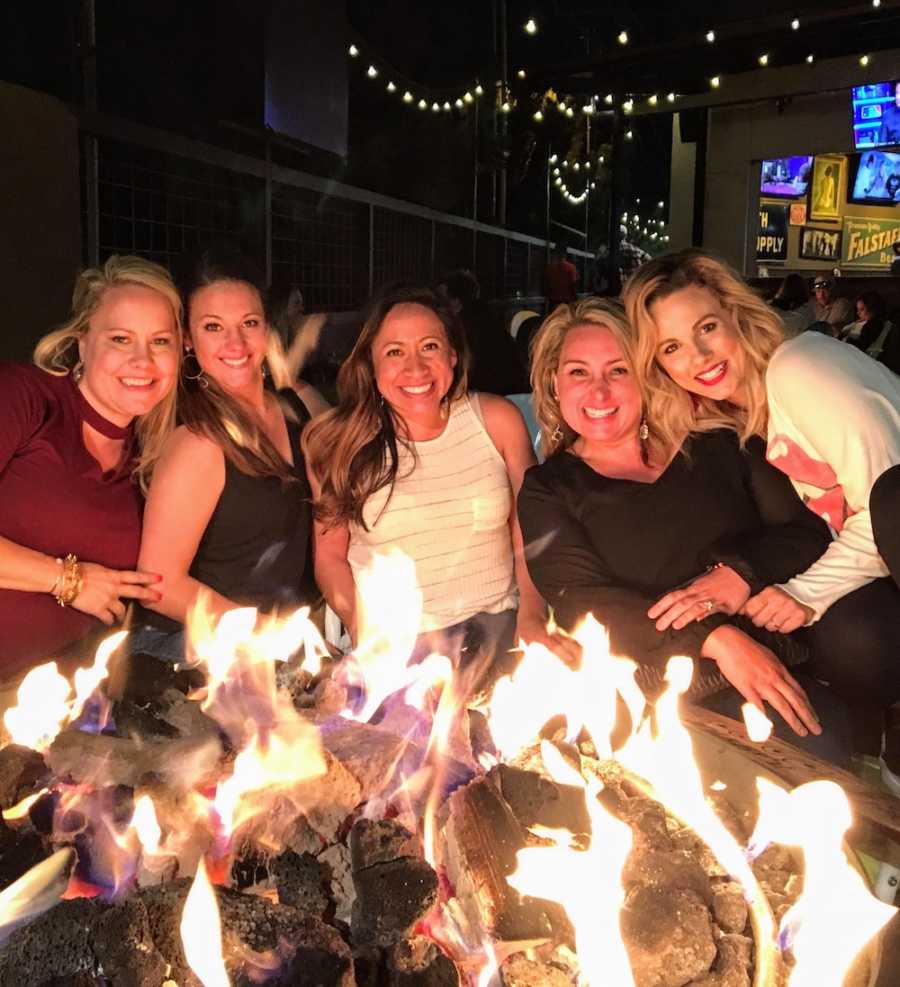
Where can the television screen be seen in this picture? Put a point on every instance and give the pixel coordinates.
(786, 178)
(877, 178)
(876, 115)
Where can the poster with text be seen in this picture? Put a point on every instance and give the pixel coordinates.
(869, 242)
(771, 239)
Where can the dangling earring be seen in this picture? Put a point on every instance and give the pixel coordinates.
(78, 371)
(198, 376)
(265, 368)
(557, 435)
(643, 431)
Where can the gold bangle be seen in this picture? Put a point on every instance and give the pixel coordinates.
(54, 589)
(72, 581)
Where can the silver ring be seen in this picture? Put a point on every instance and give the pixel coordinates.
(708, 606)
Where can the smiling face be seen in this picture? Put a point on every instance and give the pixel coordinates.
(413, 364)
(229, 333)
(598, 396)
(129, 352)
(698, 344)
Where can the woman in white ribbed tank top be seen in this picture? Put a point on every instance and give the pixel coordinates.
(409, 460)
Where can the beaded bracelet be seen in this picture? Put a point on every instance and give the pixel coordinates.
(69, 582)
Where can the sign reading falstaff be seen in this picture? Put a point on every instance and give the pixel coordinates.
(868, 242)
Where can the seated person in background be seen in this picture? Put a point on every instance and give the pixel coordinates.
(299, 335)
(830, 308)
(411, 460)
(228, 510)
(78, 435)
(831, 417)
(792, 300)
(626, 509)
(871, 329)
(494, 367)
(560, 279)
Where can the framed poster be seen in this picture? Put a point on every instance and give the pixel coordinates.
(869, 242)
(828, 180)
(798, 214)
(820, 244)
(771, 238)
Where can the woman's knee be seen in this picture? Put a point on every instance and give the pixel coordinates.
(884, 508)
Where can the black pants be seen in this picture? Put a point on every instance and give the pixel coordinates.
(884, 507)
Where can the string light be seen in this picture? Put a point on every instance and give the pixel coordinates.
(521, 73)
(531, 26)
(763, 59)
(552, 159)
(653, 100)
(408, 97)
(608, 99)
(538, 116)
(353, 51)
(876, 4)
(864, 60)
(622, 38)
(391, 88)
(671, 97)
(447, 107)
(478, 90)
(570, 112)
(505, 108)
(561, 107)
(422, 104)
(588, 109)
(436, 107)
(715, 81)
(628, 105)
(467, 97)
(629, 135)
(660, 204)
(810, 59)
(459, 104)
(710, 36)
(372, 72)
(795, 24)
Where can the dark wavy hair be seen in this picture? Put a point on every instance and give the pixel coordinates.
(352, 450)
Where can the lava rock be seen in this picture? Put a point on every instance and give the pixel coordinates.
(22, 771)
(519, 971)
(734, 964)
(418, 962)
(376, 841)
(300, 880)
(56, 944)
(536, 800)
(730, 907)
(666, 869)
(669, 936)
(19, 852)
(124, 947)
(390, 898)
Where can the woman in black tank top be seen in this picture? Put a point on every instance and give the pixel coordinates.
(228, 514)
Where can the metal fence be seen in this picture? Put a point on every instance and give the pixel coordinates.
(158, 194)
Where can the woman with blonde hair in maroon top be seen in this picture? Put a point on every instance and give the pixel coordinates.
(79, 433)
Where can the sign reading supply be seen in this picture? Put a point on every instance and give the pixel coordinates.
(771, 240)
(869, 242)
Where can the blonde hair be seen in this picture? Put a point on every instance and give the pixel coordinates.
(352, 450)
(556, 434)
(758, 326)
(57, 352)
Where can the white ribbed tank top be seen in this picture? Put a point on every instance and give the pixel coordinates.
(449, 512)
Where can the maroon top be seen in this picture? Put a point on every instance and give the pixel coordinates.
(55, 498)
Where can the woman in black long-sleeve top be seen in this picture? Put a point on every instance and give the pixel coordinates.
(619, 516)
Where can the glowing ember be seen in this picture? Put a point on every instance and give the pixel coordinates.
(201, 932)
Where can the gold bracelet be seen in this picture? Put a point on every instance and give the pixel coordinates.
(72, 581)
(54, 589)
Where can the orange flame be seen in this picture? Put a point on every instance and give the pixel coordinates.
(201, 932)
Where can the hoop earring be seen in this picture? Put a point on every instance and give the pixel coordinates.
(78, 371)
(644, 431)
(199, 376)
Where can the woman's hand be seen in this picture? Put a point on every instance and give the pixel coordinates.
(760, 677)
(532, 629)
(721, 590)
(102, 590)
(777, 611)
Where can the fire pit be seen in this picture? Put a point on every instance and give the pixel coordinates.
(276, 816)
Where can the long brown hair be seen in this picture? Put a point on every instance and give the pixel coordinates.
(352, 450)
(556, 435)
(670, 407)
(57, 352)
(206, 408)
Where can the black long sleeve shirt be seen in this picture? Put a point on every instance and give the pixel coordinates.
(613, 547)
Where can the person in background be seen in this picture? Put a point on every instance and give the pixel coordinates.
(870, 330)
(630, 256)
(794, 305)
(627, 507)
(831, 418)
(228, 512)
(495, 366)
(830, 307)
(560, 279)
(299, 333)
(409, 459)
(79, 433)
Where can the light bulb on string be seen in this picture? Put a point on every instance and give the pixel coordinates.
(876, 4)
(556, 171)
(810, 59)
(408, 97)
(864, 60)
(715, 82)
(372, 72)
(505, 107)
(391, 88)
(538, 116)
(423, 105)
(710, 36)
(622, 38)
(436, 107)
(763, 59)
(531, 26)
(479, 91)
(576, 166)
(601, 159)
(447, 107)
(467, 97)
(521, 73)
(553, 159)
(459, 104)
(671, 97)
(628, 105)
(570, 112)
(353, 51)
(795, 24)
(608, 99)
(588, 109)
(660, 204)
(629, 135)
(653, 100)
